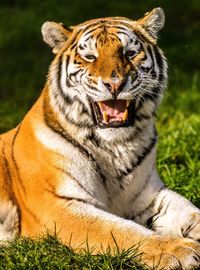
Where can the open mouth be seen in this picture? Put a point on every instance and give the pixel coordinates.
(114, 113)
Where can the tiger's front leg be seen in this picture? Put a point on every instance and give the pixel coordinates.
(169, 213)
(82, 224)
(176, 216)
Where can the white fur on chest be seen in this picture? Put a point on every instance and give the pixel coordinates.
(110, 195)
(126, 196)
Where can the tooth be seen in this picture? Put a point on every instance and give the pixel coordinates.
(105, 117)
(127, 103)
(100, 105)
(125, 115)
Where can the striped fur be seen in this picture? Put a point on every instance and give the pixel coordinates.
(90, 172)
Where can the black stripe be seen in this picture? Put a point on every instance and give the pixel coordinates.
(150, 96)
(68, 83)
(109, 149)
(159, 61)
(73, 45)
(137, 195)
(91, 87)
(81, 76)
(92, 25)
(76, 99)
(97, 37)
(160, 205)
(6, 165)
(123, 33)
(140, 158)
(58, 75)
(73, 122)
(68, 28)
(31, 213)
(67, 64)
(150, 221)
(141, 213)
(76, 62)
(94, 139)
(118, 27)
(153, 96)
(140, 117)
(149, 206)
(18, 173)
(88, 35)
(125, 24)
(74, 73)
(14, 160)
(72, 199)
(135, 85)
(74, 179)
(12, 196)
(138, 130)
(73, 40)
(66, 98)
(153, 73)
(59, 130)
(108, 25)
(149, 49)
(66, 198)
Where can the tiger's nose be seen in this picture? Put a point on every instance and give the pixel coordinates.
(114, 86)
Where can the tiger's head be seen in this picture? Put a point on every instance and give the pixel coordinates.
(105, 70)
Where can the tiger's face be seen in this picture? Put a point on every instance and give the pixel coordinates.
(112, 77)
(109, 63)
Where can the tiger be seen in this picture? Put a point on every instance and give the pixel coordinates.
(82, 162)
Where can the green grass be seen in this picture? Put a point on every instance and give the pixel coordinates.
(49, 253)
(179, 128)
(23, 67)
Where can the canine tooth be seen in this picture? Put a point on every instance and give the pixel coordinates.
(127, 103)
(125, 115)
(100, 105)
(105, 117)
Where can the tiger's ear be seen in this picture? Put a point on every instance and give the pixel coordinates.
(153, 21)
(55, 35)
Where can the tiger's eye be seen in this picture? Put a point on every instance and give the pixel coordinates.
(90, 57)
(130, 54)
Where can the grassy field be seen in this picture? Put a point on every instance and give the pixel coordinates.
(23, 67)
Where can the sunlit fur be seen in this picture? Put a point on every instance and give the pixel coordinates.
(91, 185)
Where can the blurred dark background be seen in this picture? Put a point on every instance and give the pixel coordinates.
(25, 58)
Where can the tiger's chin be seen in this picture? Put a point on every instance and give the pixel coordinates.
(114, 113)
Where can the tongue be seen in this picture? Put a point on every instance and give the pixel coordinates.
(114, 109)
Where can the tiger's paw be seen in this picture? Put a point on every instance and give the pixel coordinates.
(192, 227)
(9, 223)
(171, 253)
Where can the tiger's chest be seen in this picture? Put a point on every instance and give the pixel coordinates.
(126, 174)
(109, 177)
